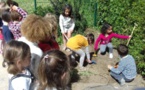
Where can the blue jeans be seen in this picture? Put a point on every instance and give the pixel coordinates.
(118, 77)
(103, 47)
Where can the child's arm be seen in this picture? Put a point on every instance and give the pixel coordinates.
(119, 69)
(20, 10)
(61, 22)
(73, 25)
(97, 42)
(120, 36)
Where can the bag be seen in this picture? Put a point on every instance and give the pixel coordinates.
(26, 76)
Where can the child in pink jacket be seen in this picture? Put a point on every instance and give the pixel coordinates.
(104, 39)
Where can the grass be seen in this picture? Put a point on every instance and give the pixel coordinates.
(28, 5)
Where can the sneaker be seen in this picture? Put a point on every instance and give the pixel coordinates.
(122, 82)
(93, 62)
(110, 55)
(72, 57)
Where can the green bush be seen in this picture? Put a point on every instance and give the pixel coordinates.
(122, 14)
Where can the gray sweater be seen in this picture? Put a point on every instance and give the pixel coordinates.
(127, 67)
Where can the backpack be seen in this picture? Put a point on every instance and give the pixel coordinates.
(26, 76)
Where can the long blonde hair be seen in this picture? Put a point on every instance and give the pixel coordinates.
(53, 71)
(53, 21)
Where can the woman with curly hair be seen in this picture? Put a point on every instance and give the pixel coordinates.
(35, 29)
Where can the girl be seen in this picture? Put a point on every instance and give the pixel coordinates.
(17, 15)
(6, 32)
(17, 57)
(50, 43)
(53, 71)
(76, 44)
(66, 23)
(105, 37)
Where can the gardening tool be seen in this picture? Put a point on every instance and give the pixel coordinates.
(66, 37)
(131, 33)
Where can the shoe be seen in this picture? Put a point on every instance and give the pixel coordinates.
(72, 57)
(110, 55)
(122, 82)
(93, 62)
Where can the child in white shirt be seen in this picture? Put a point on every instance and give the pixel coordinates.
(66, 23)
(17, 56)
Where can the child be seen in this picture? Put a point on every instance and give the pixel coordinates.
(6, 32)
(126, 69)
(76, 44)
(105, 37)
(17, 15)
(53, 71)
(1, 41)
(66, 23)
(17, 57)
(50, 43)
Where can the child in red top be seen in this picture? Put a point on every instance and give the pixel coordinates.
(50, 42)
(105, 37)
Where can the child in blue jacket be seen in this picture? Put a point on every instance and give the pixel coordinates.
(126, 68)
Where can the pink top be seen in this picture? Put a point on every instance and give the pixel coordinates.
(1, 35)
(105, 40)
(15, 26)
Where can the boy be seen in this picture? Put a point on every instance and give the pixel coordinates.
(126, 69)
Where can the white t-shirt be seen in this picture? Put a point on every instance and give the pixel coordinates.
(20, 83)
(66, 24)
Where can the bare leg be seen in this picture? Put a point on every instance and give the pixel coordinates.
(69, 33)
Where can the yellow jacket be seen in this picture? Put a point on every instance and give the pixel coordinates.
(77, 42)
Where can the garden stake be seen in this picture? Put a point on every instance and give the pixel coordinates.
(131, 34)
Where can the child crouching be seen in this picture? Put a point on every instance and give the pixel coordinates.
(126, 69)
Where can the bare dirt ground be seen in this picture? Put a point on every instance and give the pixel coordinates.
(96, 77)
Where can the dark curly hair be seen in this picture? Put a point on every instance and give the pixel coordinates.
(105, 27)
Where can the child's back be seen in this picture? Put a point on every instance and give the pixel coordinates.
(15, 24)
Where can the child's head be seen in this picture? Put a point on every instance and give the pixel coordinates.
(6, 15)
(17, 56)
(3, 6)
(106, 28)
(122, 50)
(67, 10)
(53, 70)
(36, 28)
(15, 16)
(53, 21)
(90, 38)
(11, 2)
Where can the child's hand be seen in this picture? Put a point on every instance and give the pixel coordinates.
(130, 36)
(13, 8)
(110, 67)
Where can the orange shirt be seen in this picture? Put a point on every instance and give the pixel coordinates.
(77, 42)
